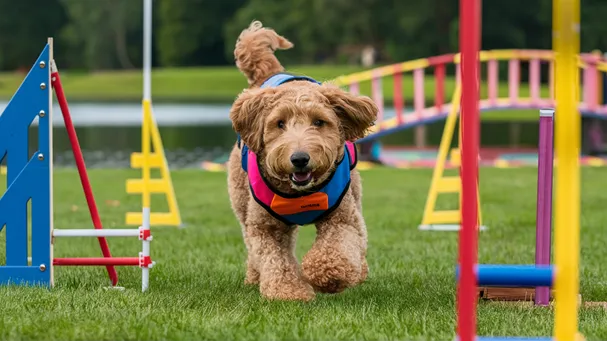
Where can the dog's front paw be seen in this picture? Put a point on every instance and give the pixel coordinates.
(331, 272)
(252, 277)
(287, 291)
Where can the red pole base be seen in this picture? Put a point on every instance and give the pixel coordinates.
(99, 261)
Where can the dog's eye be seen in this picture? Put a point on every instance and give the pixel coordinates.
(319, 123)
(281, 124)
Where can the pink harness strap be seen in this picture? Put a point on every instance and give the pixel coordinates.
(352, 150)
(262, 191)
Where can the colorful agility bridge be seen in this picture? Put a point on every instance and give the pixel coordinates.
(536, 93)
(519, 95)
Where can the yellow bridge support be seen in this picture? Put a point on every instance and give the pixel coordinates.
(446, 220)
(146, 185)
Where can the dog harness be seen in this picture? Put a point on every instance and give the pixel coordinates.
(298, 209)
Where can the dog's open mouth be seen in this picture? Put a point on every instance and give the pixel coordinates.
(301, 178)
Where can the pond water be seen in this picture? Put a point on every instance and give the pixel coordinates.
(193, 133)
(129, 114)
(110, 132)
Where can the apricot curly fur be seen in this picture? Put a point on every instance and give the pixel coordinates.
(275, 123)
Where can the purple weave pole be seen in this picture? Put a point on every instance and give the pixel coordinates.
(543, 222)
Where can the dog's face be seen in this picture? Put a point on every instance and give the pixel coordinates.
(298, 130)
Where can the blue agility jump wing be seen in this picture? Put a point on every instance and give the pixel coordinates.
(28, 177)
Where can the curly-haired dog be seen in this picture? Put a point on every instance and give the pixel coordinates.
(293, 165)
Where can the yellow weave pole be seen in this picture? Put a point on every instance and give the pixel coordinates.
(566, 43)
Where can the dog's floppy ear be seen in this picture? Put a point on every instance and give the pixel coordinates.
(356, 113)
(248, 113)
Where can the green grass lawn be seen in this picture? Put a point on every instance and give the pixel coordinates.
(197, 289)
(214, 84)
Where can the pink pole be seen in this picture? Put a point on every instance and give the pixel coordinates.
(398, 93)
(543, 223)
(513, 80)
(590, 85)
(354, 88)
(492, 65)
(378, 96)
(418, 86)
(534, 80)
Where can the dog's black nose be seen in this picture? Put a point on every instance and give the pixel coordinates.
(300, 159)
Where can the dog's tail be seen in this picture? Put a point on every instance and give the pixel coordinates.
(254, 52)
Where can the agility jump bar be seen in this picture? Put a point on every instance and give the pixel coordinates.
(513, 275)
(144, 260)
(98, 261)
(96, 233)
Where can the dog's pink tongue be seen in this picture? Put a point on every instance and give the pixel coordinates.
(300, 177)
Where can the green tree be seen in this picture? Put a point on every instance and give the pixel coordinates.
(317, 28)
(107, 34)
(277, 14)
(100, 33)
(25, 27)
(593, 28)
(190, 31)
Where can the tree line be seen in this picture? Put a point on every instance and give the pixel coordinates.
(94, 35)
